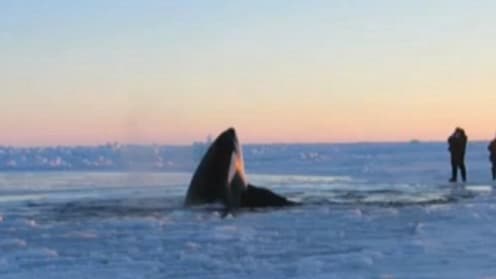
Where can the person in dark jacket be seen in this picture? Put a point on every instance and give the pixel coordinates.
(492, 157)
(457, 144)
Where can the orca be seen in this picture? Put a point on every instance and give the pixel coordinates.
(220, 177)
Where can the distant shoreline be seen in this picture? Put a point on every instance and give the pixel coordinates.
(169, 158)
(4, 146)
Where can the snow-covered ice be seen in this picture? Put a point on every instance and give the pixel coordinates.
(369, 211)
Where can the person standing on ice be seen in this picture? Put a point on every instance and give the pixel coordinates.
(457, 143)
(492, 157)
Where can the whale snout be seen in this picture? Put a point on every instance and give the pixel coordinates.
(228, 139)
(231, 134)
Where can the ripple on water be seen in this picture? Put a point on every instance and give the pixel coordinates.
(81, 234)
(31, 223)
(41, 253)
(12, 243)
(190, 245)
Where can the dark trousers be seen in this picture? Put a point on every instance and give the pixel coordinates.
(493, 169)
(458, 163)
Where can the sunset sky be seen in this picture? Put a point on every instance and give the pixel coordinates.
(173, 72)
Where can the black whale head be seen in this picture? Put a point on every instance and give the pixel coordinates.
(220, 176)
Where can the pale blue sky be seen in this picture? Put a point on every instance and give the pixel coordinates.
(173, 71)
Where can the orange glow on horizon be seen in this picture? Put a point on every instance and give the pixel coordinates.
(311, 72)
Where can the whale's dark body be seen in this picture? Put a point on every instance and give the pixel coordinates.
(220, 177)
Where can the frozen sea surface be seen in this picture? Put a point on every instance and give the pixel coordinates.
(369, 211)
